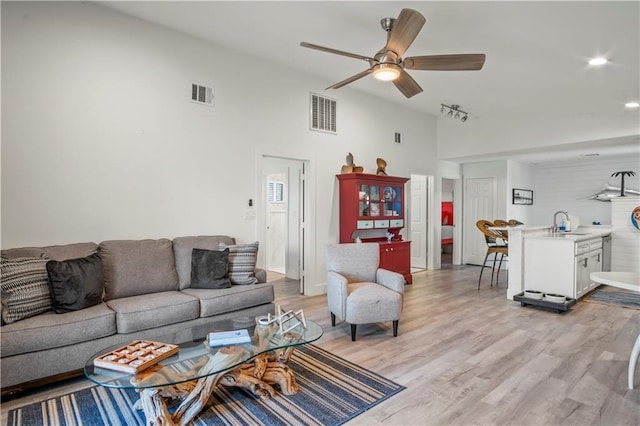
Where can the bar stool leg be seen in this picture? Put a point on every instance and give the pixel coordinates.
(482, 269)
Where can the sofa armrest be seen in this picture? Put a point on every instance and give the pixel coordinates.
(391, 280)
(260, 274)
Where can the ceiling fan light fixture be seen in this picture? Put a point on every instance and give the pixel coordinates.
(386, 72)
(598, 61)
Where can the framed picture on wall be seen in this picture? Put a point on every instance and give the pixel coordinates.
(522, 196)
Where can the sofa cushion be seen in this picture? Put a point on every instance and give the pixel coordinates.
(75, 283)
(183, 248)
(213, 302)
(64, 252)
(153, 310)
(51, 330)
(135, 267)
(210, 269)
(25, 288)
(242, 263)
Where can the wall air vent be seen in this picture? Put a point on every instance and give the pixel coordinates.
(322, 114)
(202, 94)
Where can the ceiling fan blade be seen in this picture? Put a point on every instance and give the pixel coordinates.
(407, 85)
(465, 62)
(337, 52)
(404, 30)
(351, 79)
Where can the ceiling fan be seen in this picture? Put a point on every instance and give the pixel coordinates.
(388, 65)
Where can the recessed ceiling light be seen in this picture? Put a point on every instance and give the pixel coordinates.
(598, 61)
(632, 105)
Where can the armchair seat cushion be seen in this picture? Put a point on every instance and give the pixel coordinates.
(369, 302)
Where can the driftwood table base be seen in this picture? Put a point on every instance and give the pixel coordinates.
(258, 376)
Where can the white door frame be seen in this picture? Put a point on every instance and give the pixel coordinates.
(307, 251)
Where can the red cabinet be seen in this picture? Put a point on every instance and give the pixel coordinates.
(372, 208)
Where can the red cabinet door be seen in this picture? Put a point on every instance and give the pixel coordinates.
(396, 257)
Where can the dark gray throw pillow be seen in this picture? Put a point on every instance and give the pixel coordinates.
(76, 283)
(210, 269)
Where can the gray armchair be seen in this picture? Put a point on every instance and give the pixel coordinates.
(358, 291)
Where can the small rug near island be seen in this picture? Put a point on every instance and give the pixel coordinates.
(609, 295)
(332, 391)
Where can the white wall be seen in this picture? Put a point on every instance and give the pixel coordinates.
(519, 175)
(100, 141)
(566, 185)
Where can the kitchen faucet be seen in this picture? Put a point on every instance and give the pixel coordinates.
(555, 220)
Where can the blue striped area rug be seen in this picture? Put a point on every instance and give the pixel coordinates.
(331, 392)
(609, 295)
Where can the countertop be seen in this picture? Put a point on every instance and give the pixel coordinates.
(580, 234)
(626, 280)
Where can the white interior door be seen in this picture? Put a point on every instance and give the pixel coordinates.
(418, 221)
(479, 203)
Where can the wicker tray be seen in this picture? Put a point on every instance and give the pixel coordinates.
(136, 356)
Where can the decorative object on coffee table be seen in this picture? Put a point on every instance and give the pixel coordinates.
(136, 356)
(284, 317)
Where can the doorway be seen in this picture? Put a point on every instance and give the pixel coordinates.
(283, 189)
(447, 224)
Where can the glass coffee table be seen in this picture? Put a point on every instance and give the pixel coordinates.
(190, 375)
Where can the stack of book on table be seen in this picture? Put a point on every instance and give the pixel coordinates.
(233, 337)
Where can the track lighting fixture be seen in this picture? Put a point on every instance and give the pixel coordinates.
(463, 116)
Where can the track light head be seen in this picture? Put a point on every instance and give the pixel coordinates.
(463, 119)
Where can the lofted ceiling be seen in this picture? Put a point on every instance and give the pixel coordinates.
(536, 52)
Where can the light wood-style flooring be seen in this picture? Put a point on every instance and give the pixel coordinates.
(470, 357)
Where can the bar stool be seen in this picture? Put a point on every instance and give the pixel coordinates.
(493, 247)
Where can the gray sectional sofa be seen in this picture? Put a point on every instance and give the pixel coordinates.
(147, 294)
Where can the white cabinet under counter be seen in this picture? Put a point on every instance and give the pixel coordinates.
(561, 265)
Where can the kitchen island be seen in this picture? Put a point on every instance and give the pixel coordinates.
(554, 262)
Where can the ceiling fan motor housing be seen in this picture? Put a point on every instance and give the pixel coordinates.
(387, 57)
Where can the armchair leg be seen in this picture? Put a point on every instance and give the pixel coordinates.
(395, 328)
(353, 332)
(333, 319)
